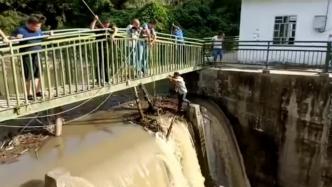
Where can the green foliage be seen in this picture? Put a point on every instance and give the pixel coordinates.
(10, 20)
(198, 18)
(206, 18)
(156, 11)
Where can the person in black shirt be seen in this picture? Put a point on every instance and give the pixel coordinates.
(103, 68)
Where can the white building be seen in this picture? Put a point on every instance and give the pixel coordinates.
(284, 22)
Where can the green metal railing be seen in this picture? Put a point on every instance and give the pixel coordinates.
(75, 61)
(303, 55)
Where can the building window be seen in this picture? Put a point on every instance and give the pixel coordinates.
(284, 30)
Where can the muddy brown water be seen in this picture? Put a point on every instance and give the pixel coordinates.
(104, 150)
(81, 144)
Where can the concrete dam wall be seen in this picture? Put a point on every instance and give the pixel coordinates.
(282, 123)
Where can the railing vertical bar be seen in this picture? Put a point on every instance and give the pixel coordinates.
(81, 64)
(175, 53)
(321, 56)
(23, 80)
(328, 57)
(63, 70)
(14, 74)
(41, 77)
(113, 59)
(124, 61)
(87, 66)
(98, 63)
(128, 76)
(48, 74)
(121, 65)
(69, 70)
(55, 72)
(160, 58)
(5, 79)
(75, 67)
(32, 77)
(92, 62)
(107, 72)
(117, 61)
(129, 59)
(155, 58)
(165, 56)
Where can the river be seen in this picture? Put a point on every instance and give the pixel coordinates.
(105, 150)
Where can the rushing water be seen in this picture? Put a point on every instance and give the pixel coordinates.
(103, 151)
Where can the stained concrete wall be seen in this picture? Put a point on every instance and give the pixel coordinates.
(281, 121)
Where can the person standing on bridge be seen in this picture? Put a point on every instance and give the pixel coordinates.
(181, 89)
(31, 66)
(133, 32)
(179, 39)
(148, 33)
(217, 46)
(102, 69)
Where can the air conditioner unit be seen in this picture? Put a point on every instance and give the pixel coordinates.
(320, 23)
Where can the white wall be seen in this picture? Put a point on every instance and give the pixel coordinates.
(257, 23)
(260, 14)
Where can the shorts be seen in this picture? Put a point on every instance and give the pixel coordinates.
(31, 70)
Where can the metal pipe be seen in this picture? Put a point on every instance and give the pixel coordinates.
(86, 4)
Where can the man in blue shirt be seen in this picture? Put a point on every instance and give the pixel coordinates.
(177, 31)
(31, 68)
(179, 39)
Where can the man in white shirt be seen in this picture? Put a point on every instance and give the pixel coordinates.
(217, 46)
(180, 88)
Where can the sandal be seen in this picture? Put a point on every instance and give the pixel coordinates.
(30, 97)
(39, 94)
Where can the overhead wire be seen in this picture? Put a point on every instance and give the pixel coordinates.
(62, 112)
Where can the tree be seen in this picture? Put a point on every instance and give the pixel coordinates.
(199, 18)
(10, 20)
(158, 12)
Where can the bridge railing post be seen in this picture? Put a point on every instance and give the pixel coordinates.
(267, 55)
(328, 59)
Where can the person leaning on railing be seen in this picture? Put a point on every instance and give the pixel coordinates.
(104, 68)
(179, 39)
(149, 34)
(133, 32)
(32, 29)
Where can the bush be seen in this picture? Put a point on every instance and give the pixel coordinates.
(10, 20)
(158, 12)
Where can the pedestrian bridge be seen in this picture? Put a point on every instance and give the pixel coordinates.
(80, 64)
(73, 65)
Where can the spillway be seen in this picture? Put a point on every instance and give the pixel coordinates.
(105, 150)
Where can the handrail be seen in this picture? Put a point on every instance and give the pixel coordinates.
(74, 61)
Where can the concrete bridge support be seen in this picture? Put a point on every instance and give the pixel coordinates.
(282, 121)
